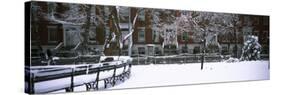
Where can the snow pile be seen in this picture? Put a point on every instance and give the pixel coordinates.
(231, 60)
(123, 59)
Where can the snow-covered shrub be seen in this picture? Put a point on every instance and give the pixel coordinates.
(251, 49)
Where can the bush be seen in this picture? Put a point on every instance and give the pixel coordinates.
(251, 49)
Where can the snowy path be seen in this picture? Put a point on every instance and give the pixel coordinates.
(179, 74)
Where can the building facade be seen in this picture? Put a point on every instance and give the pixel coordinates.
(147, 40)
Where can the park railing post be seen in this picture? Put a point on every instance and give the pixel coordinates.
(97, 78)
(124, 67)
(31, 84)
(72, 80)
(129, 70)
(114, 74)
(124, 72)
(71, 88)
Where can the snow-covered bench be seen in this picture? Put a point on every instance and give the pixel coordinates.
(43, 79)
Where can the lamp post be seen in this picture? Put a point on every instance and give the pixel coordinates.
(203, 50)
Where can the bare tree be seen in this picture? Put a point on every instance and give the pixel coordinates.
(117, 15)
(85, 16)
(80, 15)
(207, 26)
(165, 24)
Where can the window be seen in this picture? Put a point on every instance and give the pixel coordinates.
(124, 10)
(225, 50)
(157, 51)
(265, 50)
(155, 36)
(52, 34)
(35, 8)
(184, 36)
(155, 19)
(106, 10)
(256, 32)
(265, 37)
(142, 15)
(196, 50)
(184, 49)
(125, 31)
(106, 31)
(170, 49)
(247, 20)
(92, 35)
(71, 34)
(51, 6)
(124, 13)
(265, 20)
(34, 35)
(106, 15)
(184, 13)
(256, 20)
(141, 50)
(141, 34)
(247, 30)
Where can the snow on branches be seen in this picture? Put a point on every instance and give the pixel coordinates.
(209, 23)
(206, 26)
(164, 22)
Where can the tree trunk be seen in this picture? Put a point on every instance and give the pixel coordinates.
(235, 46)
(130, 39)
(86, 26)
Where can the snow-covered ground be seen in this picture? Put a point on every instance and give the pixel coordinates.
(173, 74)
(179, 74)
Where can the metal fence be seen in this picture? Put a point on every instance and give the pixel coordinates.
(176, 59)
(32, 78)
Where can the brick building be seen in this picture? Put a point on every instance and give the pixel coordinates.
(146, 39)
